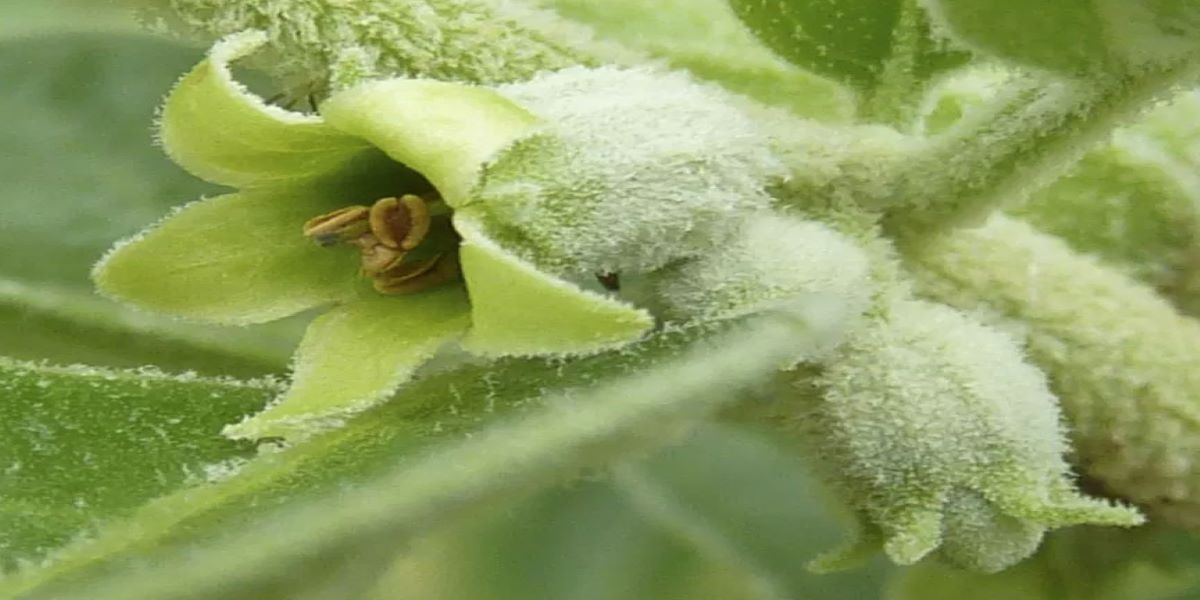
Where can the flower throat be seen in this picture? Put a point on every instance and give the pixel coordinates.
(406, 244)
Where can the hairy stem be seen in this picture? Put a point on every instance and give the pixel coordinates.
(1029, 138)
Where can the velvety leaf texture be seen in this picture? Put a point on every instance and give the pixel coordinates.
(81, 446)
(852, 41)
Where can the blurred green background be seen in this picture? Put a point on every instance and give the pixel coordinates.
(79, 86)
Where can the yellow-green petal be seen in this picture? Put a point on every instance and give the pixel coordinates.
(355, 356)
(217, 130)
(517, 309)
(237, 259)
(444, 131)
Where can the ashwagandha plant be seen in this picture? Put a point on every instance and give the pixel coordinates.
(945, 253)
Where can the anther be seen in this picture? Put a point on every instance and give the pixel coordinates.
(417, 276)
(342, 225)
(400, 222)
(377, 258)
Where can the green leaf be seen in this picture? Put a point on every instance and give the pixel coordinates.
(517, 309)
(356, 355)
(871, 45)
(239, 258)
(217, 130)
(68, 327)
(1075, 37)
(80, 172)
(706, 38)
(1066, 36)
(746, 501)
(420, 492)
(82, 446)
(444, 131)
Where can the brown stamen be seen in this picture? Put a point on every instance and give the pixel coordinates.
(400, 222)
(342, 225)
(418, 276)
(377, 258)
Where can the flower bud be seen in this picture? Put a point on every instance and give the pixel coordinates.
(774, 262)
(942, 438)
(631, 170)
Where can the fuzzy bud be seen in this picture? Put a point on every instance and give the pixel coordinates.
(632, 170)
(772, 262)
(942, 438)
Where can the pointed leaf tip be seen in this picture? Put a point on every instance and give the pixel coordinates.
(235, 259)
(517, 309)
(354, 356)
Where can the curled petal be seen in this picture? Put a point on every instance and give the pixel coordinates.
(234, 259)
(445, 131)
(217, 130)
(356, 355)
(517, 309)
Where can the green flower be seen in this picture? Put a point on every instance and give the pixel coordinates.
(385, 183)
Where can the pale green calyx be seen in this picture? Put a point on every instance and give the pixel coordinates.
(574, 174)
(943, 439)
(631, 170)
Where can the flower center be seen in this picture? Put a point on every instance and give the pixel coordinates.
(406, 244)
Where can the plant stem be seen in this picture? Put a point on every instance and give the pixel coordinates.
(1031, 135)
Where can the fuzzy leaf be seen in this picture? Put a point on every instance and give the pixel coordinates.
(239, 258)
(355, 356)
(444, 131)
(255, 556)
(59, 210)
(1067, 36)
(706, 38)
(67, 327)
(82, 446)
(1075, 37)
(220, 132)
(852, 41)
(517, 309)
